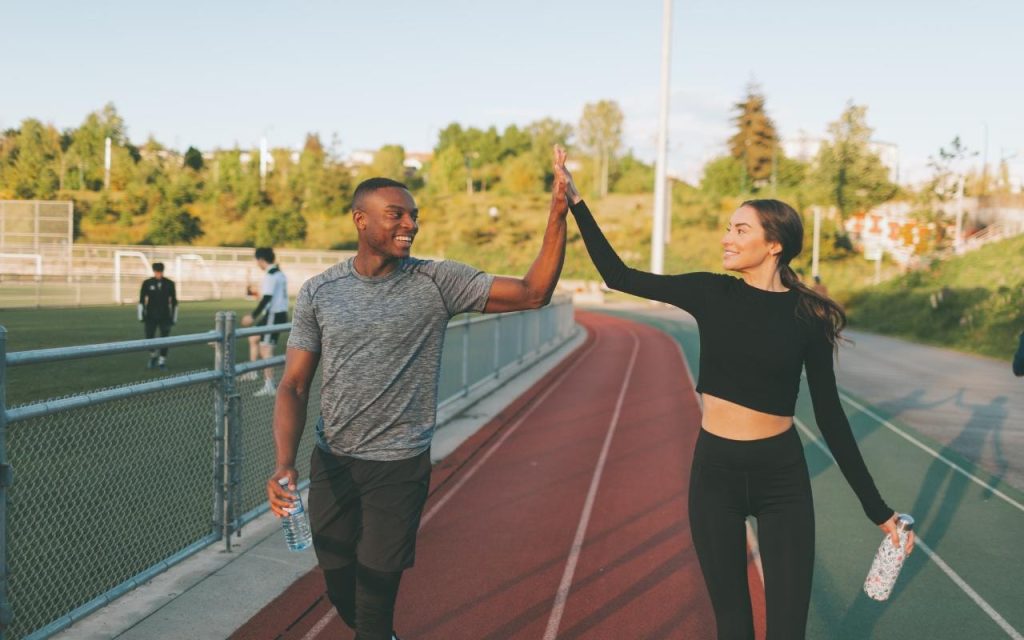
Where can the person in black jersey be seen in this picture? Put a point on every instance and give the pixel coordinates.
(757, 332)
(158, 309)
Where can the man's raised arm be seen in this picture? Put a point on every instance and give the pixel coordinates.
(534, 290)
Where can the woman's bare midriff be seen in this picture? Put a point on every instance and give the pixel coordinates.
(736, 422)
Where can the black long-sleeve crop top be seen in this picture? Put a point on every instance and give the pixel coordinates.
(752, 349)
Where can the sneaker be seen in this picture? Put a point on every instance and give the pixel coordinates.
(162, 363)
(265, 390)
(248, 376)
(152, 363)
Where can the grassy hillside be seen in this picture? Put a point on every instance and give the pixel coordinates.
(973, 302)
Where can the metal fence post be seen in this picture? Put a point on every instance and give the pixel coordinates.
(232, 432)
(497, 345)
(465, 357)
(220, 403)
(522, 334)
(6, 478)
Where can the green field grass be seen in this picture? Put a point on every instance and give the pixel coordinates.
(103, 492)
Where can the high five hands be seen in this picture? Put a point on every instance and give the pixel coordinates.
(563, 179)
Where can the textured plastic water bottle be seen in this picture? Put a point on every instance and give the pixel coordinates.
(888, 561)
(296, 525)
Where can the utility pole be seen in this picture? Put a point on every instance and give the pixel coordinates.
(660, 209)
(106, 164)
(984, 165)
(958, 242)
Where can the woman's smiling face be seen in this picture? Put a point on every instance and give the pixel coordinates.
(744, 246)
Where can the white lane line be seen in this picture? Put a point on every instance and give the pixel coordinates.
(971, 593)
(324, 621)
(939, 562)
(933, 452)
(577, 544)
(319, 626)
(464, 477)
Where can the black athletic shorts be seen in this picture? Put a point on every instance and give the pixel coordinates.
(272, 318)
(366, 510)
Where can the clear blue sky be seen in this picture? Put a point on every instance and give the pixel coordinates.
(219, 72)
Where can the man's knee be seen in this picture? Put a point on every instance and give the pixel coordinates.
(341, 591)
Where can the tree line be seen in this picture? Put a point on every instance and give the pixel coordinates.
(155, 194)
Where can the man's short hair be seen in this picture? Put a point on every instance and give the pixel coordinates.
(265, 253)
(158, 267)
(370, 185)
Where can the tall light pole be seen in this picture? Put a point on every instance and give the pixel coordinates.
(660, 201)
(106, 164)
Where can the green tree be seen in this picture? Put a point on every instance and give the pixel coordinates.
(171, 224)
(949, 170)
(446, 173)
(600, 134)
(755, 143)
(545, 134)
(193, 159)
(632, 176)
(723, 177)
(389, 162)
(276, 227)
(521, 175)
(30, 160)
(847, 173)
(87, 146)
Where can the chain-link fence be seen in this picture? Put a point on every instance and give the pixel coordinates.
(116, 485)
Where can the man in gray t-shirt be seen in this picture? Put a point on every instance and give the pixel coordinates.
(376, 324)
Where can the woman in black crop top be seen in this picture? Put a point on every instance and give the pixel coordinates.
(757, 333)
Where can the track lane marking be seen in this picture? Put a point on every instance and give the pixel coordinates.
(562, 595)
(935, 454)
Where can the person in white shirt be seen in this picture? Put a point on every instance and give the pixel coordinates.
(272, 309)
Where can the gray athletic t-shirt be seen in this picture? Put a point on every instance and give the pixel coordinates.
(379, 341)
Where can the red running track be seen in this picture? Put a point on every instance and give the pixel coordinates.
(565, 516)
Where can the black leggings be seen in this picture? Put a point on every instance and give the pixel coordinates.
(364, 598)
(767, 479)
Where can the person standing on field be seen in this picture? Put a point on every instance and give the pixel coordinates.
(158, 309)
(272, 309)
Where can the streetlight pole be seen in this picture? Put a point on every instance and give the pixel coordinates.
(106, 164)
(660, 202)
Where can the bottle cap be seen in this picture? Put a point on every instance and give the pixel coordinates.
(904, 522)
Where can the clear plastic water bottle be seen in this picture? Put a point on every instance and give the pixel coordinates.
(296, 524)
(888, 561)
